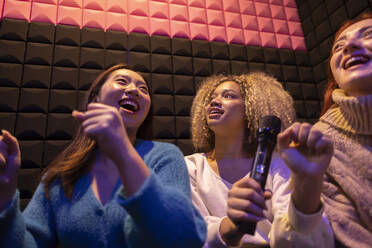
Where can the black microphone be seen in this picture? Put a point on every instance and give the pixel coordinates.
(268, 128)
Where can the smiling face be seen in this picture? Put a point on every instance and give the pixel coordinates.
(351, 60)
(128, 92)
(226, 108)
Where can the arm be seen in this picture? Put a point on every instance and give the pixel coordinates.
(33, 228)
(161, 210)
(157, 201)
(298, 216)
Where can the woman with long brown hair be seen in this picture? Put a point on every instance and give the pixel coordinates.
(347, 120)
(107, 188)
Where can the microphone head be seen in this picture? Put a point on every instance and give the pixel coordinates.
(269, 123)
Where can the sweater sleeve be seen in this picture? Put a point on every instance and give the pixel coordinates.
(161, 213)
(290, 226)
(32, 228)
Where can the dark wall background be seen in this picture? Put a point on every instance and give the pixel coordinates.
(45, 71)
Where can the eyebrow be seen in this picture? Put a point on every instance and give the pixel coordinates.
(359, 32)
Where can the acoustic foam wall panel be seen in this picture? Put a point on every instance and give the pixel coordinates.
(275, 23)
(45, 71)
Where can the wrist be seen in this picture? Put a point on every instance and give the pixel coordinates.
(229, 232)
(306, 194)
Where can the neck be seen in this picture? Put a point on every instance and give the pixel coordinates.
(229, 146)
(228, 159)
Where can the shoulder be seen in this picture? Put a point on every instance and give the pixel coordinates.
(195, 162)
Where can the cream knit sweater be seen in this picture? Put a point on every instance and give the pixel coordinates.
(348, 188)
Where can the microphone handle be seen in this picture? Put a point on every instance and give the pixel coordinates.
(259, 171)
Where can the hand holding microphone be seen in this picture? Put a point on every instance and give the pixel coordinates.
(247, 197)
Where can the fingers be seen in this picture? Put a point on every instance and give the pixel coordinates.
(11, 142)
(288, 136)
(301, 135)
(238, 216)
(247, 193)
(323, 145)
(246, 201)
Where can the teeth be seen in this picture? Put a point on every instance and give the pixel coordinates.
(355, 60)
(129, 104)
(215, 111)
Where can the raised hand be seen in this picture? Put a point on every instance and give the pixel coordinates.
(105, 124)
(307, 153)
(305, 150)
(10, 161)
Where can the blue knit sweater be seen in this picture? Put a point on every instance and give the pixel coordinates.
(160, 214)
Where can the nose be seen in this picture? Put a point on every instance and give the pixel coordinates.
(215, 101)
(131, 89)
(352, 44)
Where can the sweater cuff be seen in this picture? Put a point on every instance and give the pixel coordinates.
(304, 223)
(10, 210)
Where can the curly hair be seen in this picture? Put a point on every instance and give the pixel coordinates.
(262, 94)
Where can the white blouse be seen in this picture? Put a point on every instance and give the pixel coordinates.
(284, 226)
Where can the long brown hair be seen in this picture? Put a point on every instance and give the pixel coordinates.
(332, 84)
(76, 159)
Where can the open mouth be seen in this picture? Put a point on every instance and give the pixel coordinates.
(215, 111)
(129, 105)
(355, 60)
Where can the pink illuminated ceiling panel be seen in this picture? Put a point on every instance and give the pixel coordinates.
(199, 31)
(116, 21)
(197, 15)
(214, 4)
(71, 3)
(138, 7)
(235, 35)
(1, 8)
(247, 7)
(197, 3)
(158, 10)
(54, 2)
(69, 15)
(159, 26)
(283, 41)
(94, 19)
(138, 24)
(17, 10)
(233, 20)
(94, 4)
(231, 5)
(178, 12)
(117, 6)
(217, 33)
(180, 29)
(269, 23)
(215, 17)
(42, 12)
(252, 38)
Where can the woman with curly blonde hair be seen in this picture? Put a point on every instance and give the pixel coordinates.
(225, 116)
